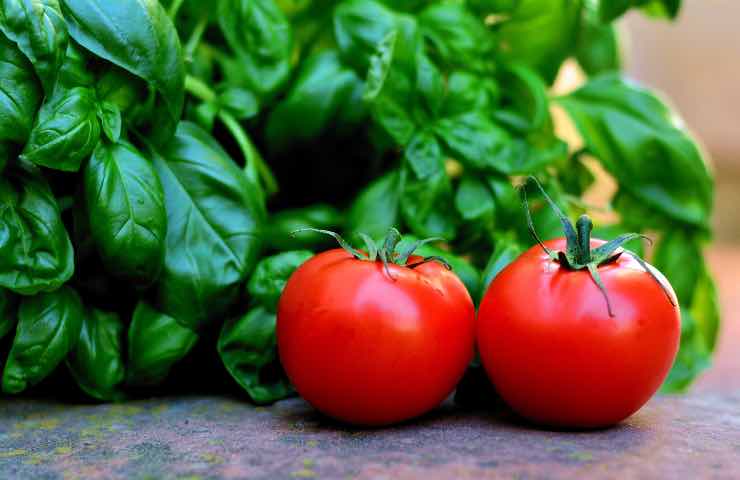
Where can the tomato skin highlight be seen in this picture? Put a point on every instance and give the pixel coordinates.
(555, 355)
(370, 350)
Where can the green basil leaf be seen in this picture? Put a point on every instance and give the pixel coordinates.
(271, 274)
(96, 362)
(125, 204)
(467, 92)
(424, 155)
(393, 118)
(457, 37)
(48, 328)
(39, 30)
(473, 199)
(213, 218)
(476, 141)
(110, 119)
(248, 349)
(240, 102)
(380, 65)
(261, 36)
(643, 144)
(609, 10)
(427, 205)
(679, 257)
(526, 99)
(138, 36)
(35, 251)
(279, 230)
(597, 49)
(539, 34)
(323, 90)
(8, 312)
(506, 249)
(376, 208)
(155, 343)
(429, 85)
(359, 27)
(125, 91)
(20, 94)
(75, 70)
(66, 131)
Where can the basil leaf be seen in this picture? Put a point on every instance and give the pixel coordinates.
(110, 119)
(39, 30)
(240, 102)
(457, 37)
(424, 155)
(473, 199)
(20, 94)
(323, 93)
(75, 70)
(48, 328)
(467, 92)
(359, 27)
(66, 131)
(376, 208)
(427, 205)
(155, 343)
(609, 10)
(597, 49)
(640, 141)
(125, 204)
(96, 362)
(248, 349)
(8, 312)
(679, 257)
(505, 250)
(539, 34)
(476, 141)
(271, 274)
(35, 251)
(279, 230)
(213, 218)
(526, 99)
(138, 36)
(261, 36)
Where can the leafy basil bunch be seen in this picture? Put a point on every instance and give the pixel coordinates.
(151, 153)
(124, 231)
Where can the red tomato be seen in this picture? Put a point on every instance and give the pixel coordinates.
(372, 350)
(555, 355)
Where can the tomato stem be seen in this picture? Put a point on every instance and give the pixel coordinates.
(578, 254)
(386, 252)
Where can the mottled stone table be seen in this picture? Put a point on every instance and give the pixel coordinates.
(691, 436)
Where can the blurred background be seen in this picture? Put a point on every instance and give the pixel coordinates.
(696, 62)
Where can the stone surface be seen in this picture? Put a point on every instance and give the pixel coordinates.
(690, 436)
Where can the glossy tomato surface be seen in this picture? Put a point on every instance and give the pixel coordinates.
(555, 355)
(368, 349)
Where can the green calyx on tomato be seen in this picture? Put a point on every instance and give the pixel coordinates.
(386, 250)
(578, 254)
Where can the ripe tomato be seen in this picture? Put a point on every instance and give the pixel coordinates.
(554, 353)
(370, 349)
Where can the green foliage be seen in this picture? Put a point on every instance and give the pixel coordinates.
(125, 203)
(213, 216)
(155, 343)
(96, 362)
(48, 329)
(163, 160)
